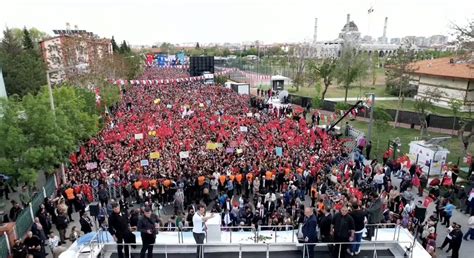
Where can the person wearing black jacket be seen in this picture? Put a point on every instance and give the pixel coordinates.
(456, 241)
(343, 231)
(309, 231)
(360, 218)
(34, 246)
(19, 249)
(86, 222)
(147, 227)
(62, 222)
(119, 229)
(325, 225)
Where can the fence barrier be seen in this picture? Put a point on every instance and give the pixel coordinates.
(25, 220)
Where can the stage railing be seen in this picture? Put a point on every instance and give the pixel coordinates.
(336, 248)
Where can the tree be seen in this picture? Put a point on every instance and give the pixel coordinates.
(197, 45)
(374, 64)
(381, 119)
(27, 41)
(299, 61)
(349, 67)
(10, 44)
(455, 105)
(115, 47)
(423, 103)
(324, 71)
(226, 52)
(465, 36)
(124, 48)
(399, 71)
(34, 139)
(23, 71)
(35, 35)
(167, 48)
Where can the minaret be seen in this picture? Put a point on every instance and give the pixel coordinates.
(315, 36)
(385, 28)
(348, 18)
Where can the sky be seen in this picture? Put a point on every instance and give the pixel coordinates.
(145, 22)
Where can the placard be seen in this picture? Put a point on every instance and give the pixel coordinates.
(279, 151)
(144, 163)
(211, 146)
(91, 165)
(229, 150)
(138, 136)
(184, 154)
(239, 151)
(243, 129)
(154, 155)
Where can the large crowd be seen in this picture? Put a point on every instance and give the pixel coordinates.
(178, 146)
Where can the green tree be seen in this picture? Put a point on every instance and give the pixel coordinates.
(35, 35)
(226, 52)
(423, 103)
(36, 139)
(124, 49)
(455, 105)
(349, 67)
(381, 125)
(115, 47)
(10, 44)
(399, 70)
(323, 71)
(27, 41)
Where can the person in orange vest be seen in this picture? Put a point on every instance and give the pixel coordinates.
(268, 179)
(70, 196)
(222, 179)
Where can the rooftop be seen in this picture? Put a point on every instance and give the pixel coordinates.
(445, 67)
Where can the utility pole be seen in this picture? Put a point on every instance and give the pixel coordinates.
(372, 98)
(53, 108)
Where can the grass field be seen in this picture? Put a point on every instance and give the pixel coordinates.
(339, 92)
(409, 105)
(380, 140)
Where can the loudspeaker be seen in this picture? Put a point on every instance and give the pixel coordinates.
(94, 209)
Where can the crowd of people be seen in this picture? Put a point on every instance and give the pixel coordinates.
(187, 145)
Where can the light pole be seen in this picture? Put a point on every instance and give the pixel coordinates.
(372, 106)
(53, 108)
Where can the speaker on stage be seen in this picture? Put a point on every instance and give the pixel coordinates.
(94, 209)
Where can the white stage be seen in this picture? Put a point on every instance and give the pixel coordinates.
(386, 238)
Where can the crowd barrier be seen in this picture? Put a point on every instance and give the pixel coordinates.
(26, 218)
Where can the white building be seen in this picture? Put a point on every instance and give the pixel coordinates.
(453, 79)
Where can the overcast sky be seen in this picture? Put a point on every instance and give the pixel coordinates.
(177, 21)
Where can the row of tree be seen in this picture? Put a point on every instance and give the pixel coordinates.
(20, 61)
(37, 139)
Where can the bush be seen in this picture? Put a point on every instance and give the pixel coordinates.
(317, 102)
(342, 106)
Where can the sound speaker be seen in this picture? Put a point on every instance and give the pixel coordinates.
(94, 209)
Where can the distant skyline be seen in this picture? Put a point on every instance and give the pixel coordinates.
(144, 22)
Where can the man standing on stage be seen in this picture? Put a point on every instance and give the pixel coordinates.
(147, 226)
(199, 228)
(309, 231)
(119, 229)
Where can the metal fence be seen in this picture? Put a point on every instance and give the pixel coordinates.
(4, 246)
(26, 217)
